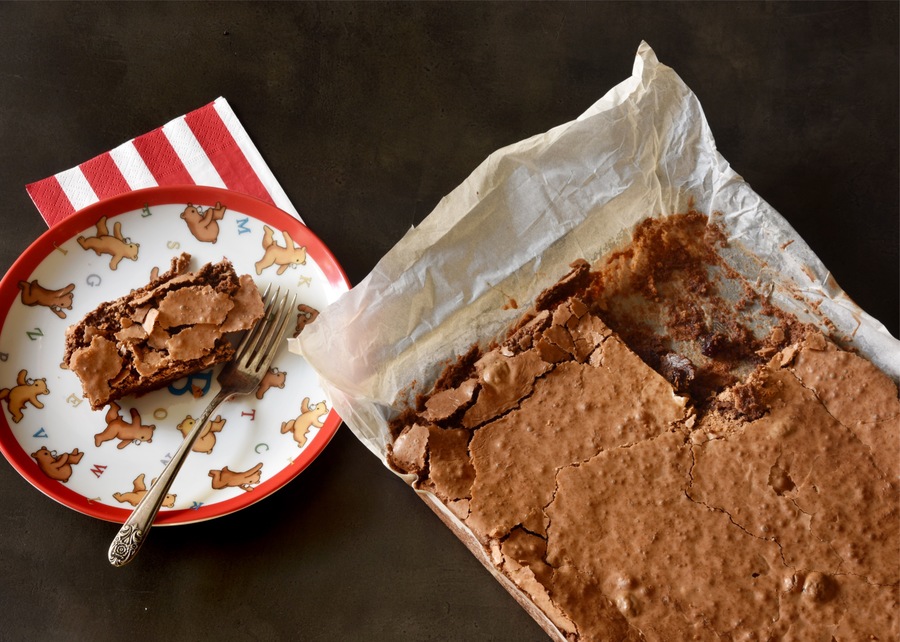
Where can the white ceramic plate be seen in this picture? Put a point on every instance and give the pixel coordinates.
(98, 462)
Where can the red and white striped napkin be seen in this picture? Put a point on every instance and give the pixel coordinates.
(207, 146)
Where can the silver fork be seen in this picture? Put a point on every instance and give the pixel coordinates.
(240, 376)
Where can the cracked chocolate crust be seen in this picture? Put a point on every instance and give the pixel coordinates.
(175, 325)
(747, 491)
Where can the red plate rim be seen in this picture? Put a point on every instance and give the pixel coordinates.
(123, 204)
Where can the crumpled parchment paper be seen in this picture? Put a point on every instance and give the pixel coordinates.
(512, 228)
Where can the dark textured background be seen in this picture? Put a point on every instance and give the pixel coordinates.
(368, 114)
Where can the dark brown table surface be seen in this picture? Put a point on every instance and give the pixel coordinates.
(368, 114)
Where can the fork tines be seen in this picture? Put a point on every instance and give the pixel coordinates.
(261, 341)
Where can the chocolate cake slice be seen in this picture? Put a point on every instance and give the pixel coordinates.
(644, 460)
(175, 325)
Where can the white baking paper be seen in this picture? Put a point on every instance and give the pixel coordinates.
(512, 228)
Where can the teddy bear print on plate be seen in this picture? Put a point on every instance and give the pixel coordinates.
(102, 462)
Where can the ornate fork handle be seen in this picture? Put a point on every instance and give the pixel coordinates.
(128, 540)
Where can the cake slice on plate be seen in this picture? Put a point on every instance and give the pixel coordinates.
(175, 325)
